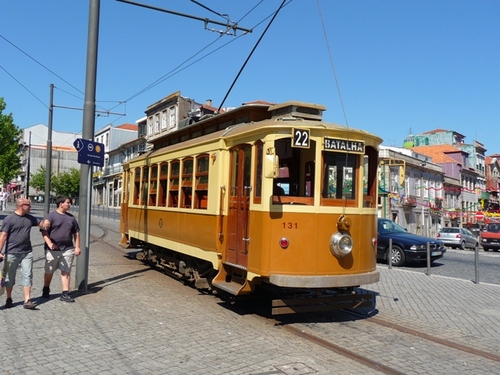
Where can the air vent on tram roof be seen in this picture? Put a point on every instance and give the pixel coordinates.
(295, 109)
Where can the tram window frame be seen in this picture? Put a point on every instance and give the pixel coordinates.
(144, 185)
(259, 166)
(173, 186)
(339, 178)
(137, 185)
(201, 184)
(153, 185)
(162, 193)
(187, 182)
(370, 177)
(290, 187)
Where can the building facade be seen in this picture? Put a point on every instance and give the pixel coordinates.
(106, 180)
(34, 156)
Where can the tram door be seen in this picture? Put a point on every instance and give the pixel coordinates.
(239, 199)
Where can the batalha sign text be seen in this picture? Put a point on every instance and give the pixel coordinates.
(344, 145)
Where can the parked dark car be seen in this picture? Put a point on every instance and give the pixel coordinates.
(406, 247)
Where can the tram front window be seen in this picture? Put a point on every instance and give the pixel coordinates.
(339, 177)
(295, 181)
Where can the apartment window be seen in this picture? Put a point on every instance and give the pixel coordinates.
(157, 123)
(163, 120)
(173, 117)
(150, 126)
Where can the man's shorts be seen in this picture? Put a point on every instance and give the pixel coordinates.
(59, 260)
(13, 262)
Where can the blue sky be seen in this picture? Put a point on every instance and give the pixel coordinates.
(401, 66)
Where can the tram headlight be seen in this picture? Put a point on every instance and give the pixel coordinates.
(340, 244)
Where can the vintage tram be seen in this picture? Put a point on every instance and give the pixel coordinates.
(259, 198)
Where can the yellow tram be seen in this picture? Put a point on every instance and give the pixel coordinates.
(261, 197)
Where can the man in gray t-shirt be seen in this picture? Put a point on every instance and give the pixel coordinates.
(15, 235)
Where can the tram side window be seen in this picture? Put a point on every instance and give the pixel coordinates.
(145, 178)
(173, 188)
(153, 186)
(339, 175)
(162, 192)
(137, 185)
(201, 184)
(187, 183)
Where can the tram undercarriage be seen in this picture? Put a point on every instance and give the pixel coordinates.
(229, 281)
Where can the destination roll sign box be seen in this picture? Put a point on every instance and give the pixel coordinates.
(89, 152)
(343, 145)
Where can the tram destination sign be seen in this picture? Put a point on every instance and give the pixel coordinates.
(344, 145)
(89, 152)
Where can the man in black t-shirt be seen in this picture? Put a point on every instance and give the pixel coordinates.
(62, 244)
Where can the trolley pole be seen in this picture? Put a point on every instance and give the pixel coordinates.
(82, 261)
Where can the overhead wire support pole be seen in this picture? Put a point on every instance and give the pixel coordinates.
(82, 261)
(233, 27)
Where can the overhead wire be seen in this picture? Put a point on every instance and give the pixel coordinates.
(179, 68)
(332, 63)
(24, 87)
(338, 91)
(39, 63)
(44, 67)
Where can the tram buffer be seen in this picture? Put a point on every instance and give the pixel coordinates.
(89, 152)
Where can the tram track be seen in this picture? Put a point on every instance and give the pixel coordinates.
(428, 337)
(386, 347)
(380, 345)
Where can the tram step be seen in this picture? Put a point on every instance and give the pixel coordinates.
(230, 287)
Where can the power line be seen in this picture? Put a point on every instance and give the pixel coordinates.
(24, 87)
(39, 63)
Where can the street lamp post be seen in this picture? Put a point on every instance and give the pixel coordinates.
(28, 168)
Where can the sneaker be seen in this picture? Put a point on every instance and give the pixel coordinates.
(46, 292)
(8, 303)
(66, 298)
(29, 305)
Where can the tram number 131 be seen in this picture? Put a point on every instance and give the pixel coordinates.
(300, 138)
(290, 225)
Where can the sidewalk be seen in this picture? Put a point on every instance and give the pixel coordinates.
(135, 320)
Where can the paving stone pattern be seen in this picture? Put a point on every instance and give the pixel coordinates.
(135, 320)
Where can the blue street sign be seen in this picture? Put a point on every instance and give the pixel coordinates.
(89, 152)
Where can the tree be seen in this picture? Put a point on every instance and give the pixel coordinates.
(37, 180)
(67, 183)
(10, 136)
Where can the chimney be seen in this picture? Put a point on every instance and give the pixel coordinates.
(209, 102)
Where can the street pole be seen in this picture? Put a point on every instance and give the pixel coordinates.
(28, 168)
(82, 261)
(48, 162)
